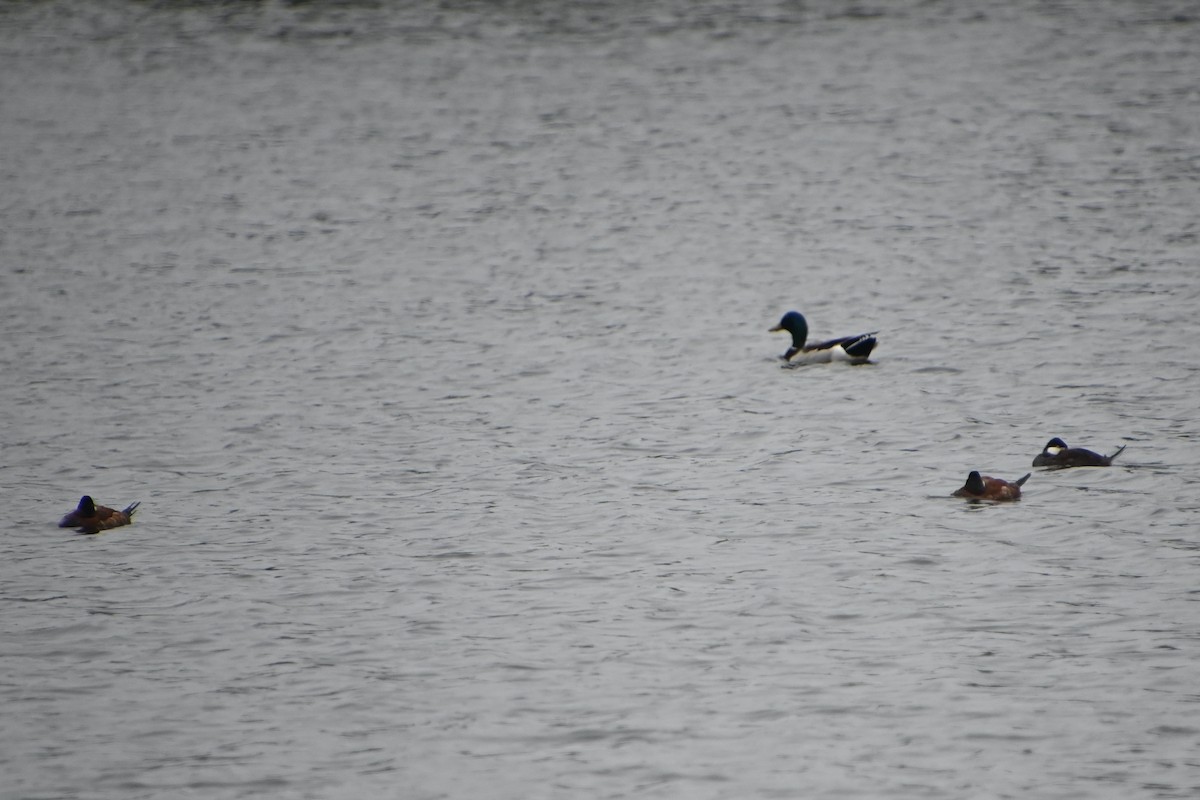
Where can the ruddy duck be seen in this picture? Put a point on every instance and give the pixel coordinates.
(855, 349)
(985, 487)
(1057, 454)
(91, 518)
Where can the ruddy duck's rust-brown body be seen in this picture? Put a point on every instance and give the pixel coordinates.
(985, 487)
(91, 518)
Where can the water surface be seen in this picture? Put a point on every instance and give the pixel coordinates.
(433, 341)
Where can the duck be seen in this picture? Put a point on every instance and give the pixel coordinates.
(854, 349)
(1056, 454)
(985, 487)
(91, 518)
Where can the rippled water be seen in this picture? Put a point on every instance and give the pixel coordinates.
(432, 339)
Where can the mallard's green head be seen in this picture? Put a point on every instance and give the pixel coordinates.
(794, 323)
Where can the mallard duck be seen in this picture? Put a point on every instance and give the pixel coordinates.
(985, 487)
(854, 349)
(1057, 454)
(91, 518)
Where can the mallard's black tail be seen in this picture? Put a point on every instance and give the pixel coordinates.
(862, 346)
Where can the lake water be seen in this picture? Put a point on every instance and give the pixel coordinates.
(433, 339)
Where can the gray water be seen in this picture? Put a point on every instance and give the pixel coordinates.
(433, 339)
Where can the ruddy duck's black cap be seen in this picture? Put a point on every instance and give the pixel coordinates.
(974, 483)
